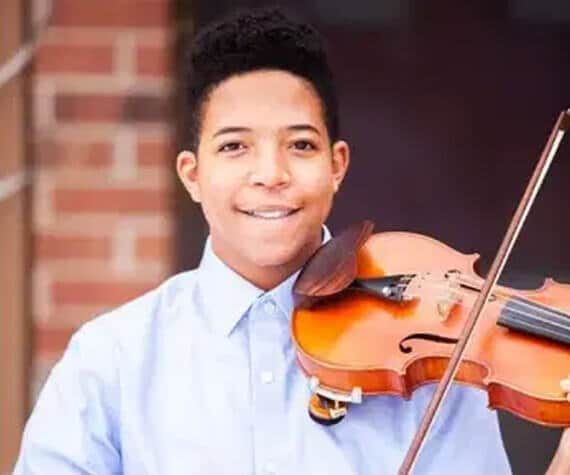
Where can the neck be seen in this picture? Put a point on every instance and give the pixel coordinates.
(268, 276)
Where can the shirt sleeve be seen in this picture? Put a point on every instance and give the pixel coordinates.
(72, 429)
(466, 437)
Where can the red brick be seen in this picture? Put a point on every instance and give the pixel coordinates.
(51, 340)
(111, 108)
(72, 247)
(153, 61)
(75, 153)
(155, 247)
(61, 58)
(94, 293)
(88, 107)
(113, 200)
(156, 152)
(112, 13)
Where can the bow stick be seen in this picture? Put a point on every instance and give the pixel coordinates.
(562, 124)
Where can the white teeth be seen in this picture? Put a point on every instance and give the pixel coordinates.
(273, 214)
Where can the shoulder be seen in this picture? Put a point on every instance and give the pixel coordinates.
(83, 392)
(130, 324)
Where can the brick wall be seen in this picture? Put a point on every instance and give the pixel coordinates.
(103, 125)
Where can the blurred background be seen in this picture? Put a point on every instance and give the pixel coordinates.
(446, 104)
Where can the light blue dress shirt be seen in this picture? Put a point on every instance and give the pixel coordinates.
(199, 377)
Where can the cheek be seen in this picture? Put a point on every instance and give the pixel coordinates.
(216, 196)
(319, 190)
(218, 181)
(318, 203)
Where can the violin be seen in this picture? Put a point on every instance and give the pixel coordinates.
(383, 318)
(385, 313)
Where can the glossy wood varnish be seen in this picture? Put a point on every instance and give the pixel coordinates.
(352, 339)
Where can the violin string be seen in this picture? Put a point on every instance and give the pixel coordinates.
(523, 300)
(535, 318)
(564, 325)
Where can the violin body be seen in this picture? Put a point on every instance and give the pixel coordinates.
(358, 343)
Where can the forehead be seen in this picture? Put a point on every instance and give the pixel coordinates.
(262, 99)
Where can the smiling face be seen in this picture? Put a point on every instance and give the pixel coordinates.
(265, 173)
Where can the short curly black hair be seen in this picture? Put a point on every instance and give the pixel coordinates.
(254, 39)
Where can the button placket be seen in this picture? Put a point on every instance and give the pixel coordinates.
(268, 363)
(269, 307)
(267, 377)
(270, 468)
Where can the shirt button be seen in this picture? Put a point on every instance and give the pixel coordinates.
(270, 468)
(269, 307)
(267, 377)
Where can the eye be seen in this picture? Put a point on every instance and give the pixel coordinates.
(304, 145)
(231, 147)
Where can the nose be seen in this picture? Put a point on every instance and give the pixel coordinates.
(270, 170)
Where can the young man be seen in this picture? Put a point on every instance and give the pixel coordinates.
(199, 376)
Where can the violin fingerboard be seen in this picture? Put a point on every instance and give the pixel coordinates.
(534, 319)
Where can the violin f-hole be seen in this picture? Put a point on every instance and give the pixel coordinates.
(424, 336)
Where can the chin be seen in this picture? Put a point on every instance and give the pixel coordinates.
(273, 256)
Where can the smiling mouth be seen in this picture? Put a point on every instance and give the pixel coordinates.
(270, 213)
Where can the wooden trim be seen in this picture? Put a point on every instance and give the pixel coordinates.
(191, 227)
(15, 334)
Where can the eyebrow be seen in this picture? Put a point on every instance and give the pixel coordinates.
(229, 130)
(301, 127)
(295, 127)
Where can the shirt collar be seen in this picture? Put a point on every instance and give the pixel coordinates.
(227, 296)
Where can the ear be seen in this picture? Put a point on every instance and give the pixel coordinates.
(187, 169)
(340, 162)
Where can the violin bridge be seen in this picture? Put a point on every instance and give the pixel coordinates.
(446, 305)
(446, 286)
